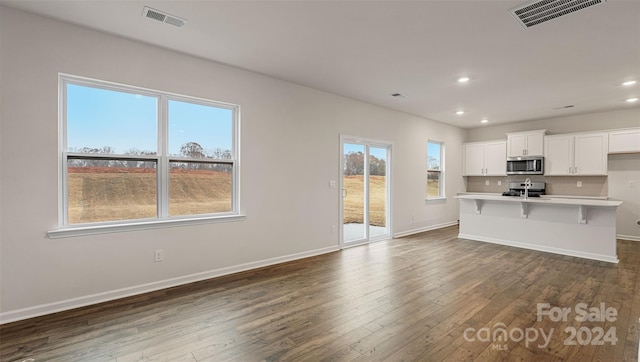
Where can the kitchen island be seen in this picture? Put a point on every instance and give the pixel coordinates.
(578, 227)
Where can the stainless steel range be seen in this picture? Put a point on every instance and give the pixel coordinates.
(518, 189)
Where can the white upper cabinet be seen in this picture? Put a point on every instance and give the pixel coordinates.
(591, 153)
(473, 159)
(576, 154)
(529, 143)
(495, 158)
(624, 141)
(485, 158)
(558, 158)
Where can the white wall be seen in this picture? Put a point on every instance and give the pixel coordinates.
(624, 118)
(624, 184)
(289, 210)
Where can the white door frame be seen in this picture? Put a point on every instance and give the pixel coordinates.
(367, 142)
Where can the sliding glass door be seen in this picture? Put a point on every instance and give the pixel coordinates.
(365, 190)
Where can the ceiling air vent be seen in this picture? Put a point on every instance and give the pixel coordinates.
(537, 12)
(163, 17)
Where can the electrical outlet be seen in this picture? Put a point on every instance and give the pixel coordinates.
(499, 182)
(579, 184)
(332, 184)
(158, 255)
(632, 184)
(487, 183)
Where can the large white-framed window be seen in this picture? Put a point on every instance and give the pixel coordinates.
(435, 170)
(137, 156)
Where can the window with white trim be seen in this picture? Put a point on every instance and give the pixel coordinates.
(132, 154)
(435, 170)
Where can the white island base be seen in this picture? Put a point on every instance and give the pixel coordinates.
(583, 228)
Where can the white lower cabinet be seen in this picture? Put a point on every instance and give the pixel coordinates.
(485, 158)
(576, 154)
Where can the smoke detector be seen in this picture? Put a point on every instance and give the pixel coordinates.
(538, 12)
(158, 15)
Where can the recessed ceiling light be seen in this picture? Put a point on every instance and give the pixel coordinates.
(463, 79)
(631, 100)
(629, 82)
(459, 113)
(484, 121)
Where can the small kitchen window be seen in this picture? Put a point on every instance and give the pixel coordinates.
(435, 170)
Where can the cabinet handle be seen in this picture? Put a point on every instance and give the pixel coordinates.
(570, 170)
(575, 169)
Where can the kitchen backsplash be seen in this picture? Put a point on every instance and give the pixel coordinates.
(556, 185)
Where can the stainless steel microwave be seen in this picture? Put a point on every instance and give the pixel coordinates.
(525, 166)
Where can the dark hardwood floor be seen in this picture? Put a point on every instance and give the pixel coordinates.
(427, 297)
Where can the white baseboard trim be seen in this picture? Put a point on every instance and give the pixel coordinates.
(423, 229)
(547, 249)
(43, 309)
(628, 237)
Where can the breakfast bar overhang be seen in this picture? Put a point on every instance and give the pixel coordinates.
(583, 228)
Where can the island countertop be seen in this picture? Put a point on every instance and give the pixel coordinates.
(549, 200)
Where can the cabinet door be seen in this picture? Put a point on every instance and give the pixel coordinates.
(495, 159)
(473, 160)
(516, 144)
(591, 154)
(558, 155)
(624, 141)
(535, 144)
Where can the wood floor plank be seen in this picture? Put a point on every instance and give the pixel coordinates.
(408, 299)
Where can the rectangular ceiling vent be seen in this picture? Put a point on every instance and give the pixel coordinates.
(538, 12)
(163, 17)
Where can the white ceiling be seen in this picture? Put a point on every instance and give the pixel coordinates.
(367, 50)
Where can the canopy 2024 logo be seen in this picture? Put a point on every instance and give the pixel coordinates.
(541, 337)
(581, 313)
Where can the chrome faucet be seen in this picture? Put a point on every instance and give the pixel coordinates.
(527, 186)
